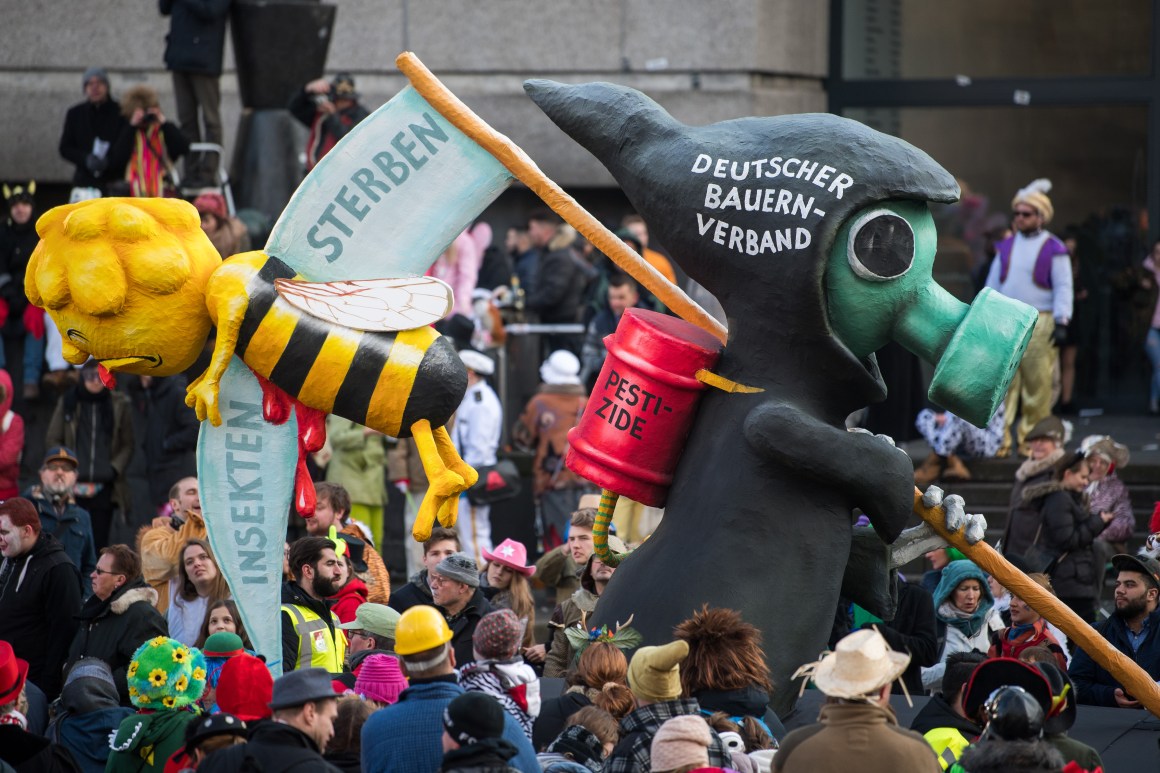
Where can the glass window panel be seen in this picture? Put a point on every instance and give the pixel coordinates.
(995, 38)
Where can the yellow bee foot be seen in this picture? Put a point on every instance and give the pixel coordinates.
(425, 518)
(448, 512)
(465, 471)
(446, 483)
(203, 398)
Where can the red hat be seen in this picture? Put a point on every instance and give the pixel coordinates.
(245, 688)
(13, 672)
(513, 555)
(211, 202)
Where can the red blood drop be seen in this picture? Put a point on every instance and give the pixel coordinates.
(304, 495)
(107, 378)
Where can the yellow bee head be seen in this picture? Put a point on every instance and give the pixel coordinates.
(124, 281)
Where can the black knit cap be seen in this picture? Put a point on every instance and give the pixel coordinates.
(472, 717)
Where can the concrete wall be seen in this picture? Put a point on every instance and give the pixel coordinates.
(703, 61)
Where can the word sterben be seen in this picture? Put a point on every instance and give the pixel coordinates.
(615, 412)
(372, 182)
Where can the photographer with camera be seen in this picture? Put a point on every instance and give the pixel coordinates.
(147, 146)
(330, 109)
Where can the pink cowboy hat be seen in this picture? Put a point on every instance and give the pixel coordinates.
(513, 555)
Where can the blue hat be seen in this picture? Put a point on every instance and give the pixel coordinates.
(60, 453)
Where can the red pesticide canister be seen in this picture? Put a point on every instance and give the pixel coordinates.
(633, 431)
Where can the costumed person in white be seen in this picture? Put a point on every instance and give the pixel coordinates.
(476, 433)
(1033, 266)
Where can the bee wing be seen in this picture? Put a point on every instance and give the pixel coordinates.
(375, 305)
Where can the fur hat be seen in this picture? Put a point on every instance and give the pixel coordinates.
(165, 674)
(1035, 195)
(681, 741)
(498, 635)
(380, 679)
(654, 673)
(139, 97)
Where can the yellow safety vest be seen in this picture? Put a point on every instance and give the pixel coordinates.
(948, 743)
(317, 645)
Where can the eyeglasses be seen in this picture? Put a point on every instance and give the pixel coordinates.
(60, 467)
(433, 579)
(361, 633)
(99, 570)
(1025, 213)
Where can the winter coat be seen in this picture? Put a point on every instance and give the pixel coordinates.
(146, 740)
(326, 129)
(88, 713)
(160, 548)
(487, 756)
(348, 599)
(1068, 533)
(1023, 518)
(415, 593)
(561, 280)
(513, 684)
(1093, 684)
(11, 441)
(40, 581)
(634, 751)
(165, 431)
(376, 578)
(938, 713)
(73, 528)
(197, 35)
(554, 713)
(84, 123)
(292, 593)
(913, 630)
(30, 753)
(855, 736)
(961, 635)
(544, 426)
(566, 615)
(103, 443)
(17, 241)
(463, 627)
(1109, 494)
(113, 629)
(405, 737)
(273, 747)
(358, 463)
(556, 569)
(1036, 756)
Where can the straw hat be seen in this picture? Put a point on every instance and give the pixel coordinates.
(860, 665)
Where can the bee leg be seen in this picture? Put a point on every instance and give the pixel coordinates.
(444, 482)
(425, 518)
(452, 459)
(448, 512)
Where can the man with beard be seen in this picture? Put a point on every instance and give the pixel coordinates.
(1134, 630)
(572, 611)
(59, 513)
(310, 635)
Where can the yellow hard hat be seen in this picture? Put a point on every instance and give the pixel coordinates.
(420, 628)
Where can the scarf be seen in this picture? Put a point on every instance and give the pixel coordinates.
(149, 163)
(968, 623)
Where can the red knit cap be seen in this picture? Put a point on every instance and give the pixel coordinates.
(245, 688)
